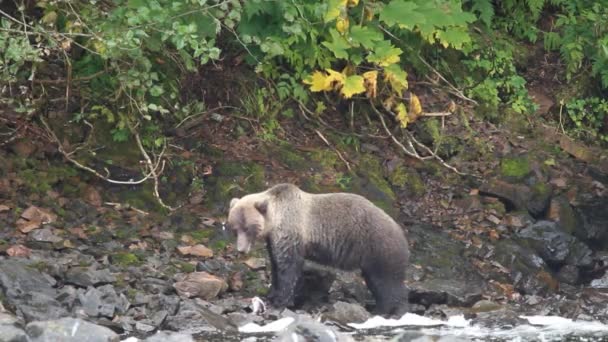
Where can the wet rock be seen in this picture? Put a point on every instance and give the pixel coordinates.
(562, 212)
(526, 270)
(169, 336)
(10, 329)
(11, 333)
(88, 276)
(555, 246)
(196, 250)
(600, 283)
(499, 319)
(31, 292)
(256, 263)
(595, 222)
(449, 291)
(534, 199)
(94, 304)
(192, 318)
(447, 276)
(306, 329)
(69, 330)
(518, 219)
(345, 313)
(569, 274)
(240, 318)
(200, 284)
(44, 235)
(143, 327)
(485, 305)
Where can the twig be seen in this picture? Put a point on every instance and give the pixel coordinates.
(119, 206)
(304, 110)
(333, 148)
(437, 114)
(67, 155)
(153, 172)
(78, 79)
(412, 150)
(456, 90)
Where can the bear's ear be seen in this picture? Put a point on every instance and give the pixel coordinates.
(262, 206)
(233, 202)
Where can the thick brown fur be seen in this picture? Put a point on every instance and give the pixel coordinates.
(342, 230)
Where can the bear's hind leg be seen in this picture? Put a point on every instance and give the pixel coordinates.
(389, 292)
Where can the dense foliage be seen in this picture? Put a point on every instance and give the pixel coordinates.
(124, 60)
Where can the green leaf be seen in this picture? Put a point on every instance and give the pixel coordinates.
(402, 13)
(338, 45)
(384, 53)
(365, 36)
(454, 36)
(334, 8)
(353, 85)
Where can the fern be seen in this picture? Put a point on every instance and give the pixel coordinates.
(485, 11)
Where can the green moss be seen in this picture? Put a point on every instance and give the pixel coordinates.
(262, 291)
(124, 233)
(219, 245)
(404, 177)
(515, 167)
(325, 158)
(202, 234)
(185, 267)
(233, 179)
(286, 154)
(40, 266)
(125, 259)
(498, 206)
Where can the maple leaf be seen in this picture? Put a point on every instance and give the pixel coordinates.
(317, 81)
(371, 83)
(384, 54)
(402, 13)
(338, 44)
(335, 76)
(365, 36)
(353, 85)
(396, 77)
(402, 115)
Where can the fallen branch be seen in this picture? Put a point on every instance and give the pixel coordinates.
(333, 148)
(411, 151)
(152, 169)
(454, 90)
(67, 155)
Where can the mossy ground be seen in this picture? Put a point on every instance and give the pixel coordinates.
(516, 168)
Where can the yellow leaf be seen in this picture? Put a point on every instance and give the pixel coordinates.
(353, 3)
(371, 81)
(396, 77)
(368, 13)
(334, 9)
(415, 107)
(318, 81)
(402, 115)
(334, 76)
(342, 25)
(353, 85)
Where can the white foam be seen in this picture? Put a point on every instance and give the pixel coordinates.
(275, 326)
(409, 319)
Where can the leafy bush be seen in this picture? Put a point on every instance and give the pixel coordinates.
(589, 117)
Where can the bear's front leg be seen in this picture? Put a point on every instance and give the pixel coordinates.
(274, 281)
(287, 261)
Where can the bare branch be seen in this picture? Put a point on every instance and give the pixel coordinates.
(333, 148)
(68, 156)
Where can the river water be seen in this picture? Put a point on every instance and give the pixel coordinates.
(412, 327)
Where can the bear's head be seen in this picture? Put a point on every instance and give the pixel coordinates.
(247, 219)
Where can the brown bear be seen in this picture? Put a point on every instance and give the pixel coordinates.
(341, 230)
